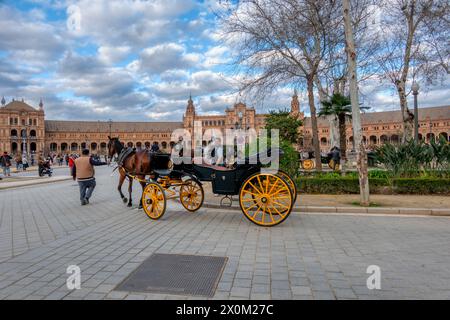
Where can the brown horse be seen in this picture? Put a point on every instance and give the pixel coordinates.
(137, 164)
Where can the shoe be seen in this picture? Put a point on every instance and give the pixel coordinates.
(87, 200)
(84, 202)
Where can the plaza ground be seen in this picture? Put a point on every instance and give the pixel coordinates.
(43, 229)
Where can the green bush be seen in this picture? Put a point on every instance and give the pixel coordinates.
(422, 185)
(413, 159)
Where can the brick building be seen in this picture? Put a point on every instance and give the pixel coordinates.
(24, 128)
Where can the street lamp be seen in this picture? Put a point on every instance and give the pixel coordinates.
(110, 124)
(415, 89)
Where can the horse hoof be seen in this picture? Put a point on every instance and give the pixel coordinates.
(125, 200)
(129, 205)
(140, 207)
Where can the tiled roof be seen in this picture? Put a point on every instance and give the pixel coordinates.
(102, 126)
(18, 106)
(434, 113)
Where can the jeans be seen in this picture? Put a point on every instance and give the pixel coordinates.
(86, 188)
(6, 171)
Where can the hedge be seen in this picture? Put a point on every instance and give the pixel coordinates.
(343, 185)
(422, 185)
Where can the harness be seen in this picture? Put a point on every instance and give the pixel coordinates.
(124, 153)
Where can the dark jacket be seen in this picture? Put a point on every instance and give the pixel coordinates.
(5, 160)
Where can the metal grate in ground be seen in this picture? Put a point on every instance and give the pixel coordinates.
(176, 274)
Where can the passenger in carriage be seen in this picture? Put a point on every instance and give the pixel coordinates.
(155, 147)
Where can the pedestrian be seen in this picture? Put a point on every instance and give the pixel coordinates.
(24, 163)
(335, 155)
(83, 171)
(5, 162)
(18, 161)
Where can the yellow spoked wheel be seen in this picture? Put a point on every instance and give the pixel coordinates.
(266, 199)
(308, 164)
(191, 195)
(154, 201)
(290, 182)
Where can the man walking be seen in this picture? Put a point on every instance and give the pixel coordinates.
(83, 171)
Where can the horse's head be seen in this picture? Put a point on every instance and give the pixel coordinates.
(114, 147)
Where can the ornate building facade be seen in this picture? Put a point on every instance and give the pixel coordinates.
(23, 128)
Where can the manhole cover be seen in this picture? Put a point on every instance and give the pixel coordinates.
(176, 274)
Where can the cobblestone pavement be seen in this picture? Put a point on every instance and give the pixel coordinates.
(43, 229)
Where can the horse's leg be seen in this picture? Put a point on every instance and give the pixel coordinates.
(130, 188)
(119, 187)
(143, 187)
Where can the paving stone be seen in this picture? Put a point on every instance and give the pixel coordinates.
(316, 256)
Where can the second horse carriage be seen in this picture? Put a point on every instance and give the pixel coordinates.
(265, 198)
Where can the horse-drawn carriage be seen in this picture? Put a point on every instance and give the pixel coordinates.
(265, 198)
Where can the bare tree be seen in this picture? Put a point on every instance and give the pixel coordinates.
(283, 42)
(356, 114)
(415, 46)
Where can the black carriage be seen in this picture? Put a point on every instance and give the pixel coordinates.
(266, 198)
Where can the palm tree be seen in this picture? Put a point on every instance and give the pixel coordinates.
(340, 107)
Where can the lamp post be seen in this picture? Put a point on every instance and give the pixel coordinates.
(415, 89)
(110, 124)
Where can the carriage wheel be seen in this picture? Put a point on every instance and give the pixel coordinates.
(287, 179)
(308, 164)
(266, 199)
(290, 182)
(191, 195)
(154, 201)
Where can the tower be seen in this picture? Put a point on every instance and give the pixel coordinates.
(41, 105)
(295, 105)
(189, 116)
(3, 101)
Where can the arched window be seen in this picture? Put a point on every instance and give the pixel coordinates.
(384, 138)
(74, 146)
(164, 144)
(323, 141)
(130, 144)
(443, 134)
(139, 145)
(93, 146)
(13, 133)
(14, 147)
(147, 144)
(83, 145)
(63, 147)
(53, 147)
(373, 140)
(33, 146)
(33, 133)
(103, 146)
(395, 138)
(430, 136)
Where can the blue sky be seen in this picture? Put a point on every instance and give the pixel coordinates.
(131, 60)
